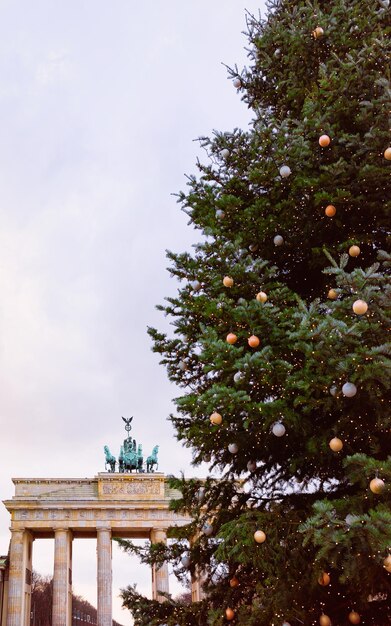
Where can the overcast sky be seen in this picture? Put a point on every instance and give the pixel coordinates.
(100, 102)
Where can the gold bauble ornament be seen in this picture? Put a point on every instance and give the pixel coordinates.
(332, 294)
(229, 614)
(387, 563)
(259, 536)
(324, 579)
(216, 418)
(228, 281)
(354, 617)
(354, 251)
(336, 444)
(253, 341)
(324, 620)
(318, 32)
(387, 154)
(231, 338)
(330, 210)
(376, 485)
(234, 582)
(360, 307)
(324, 141)
(261, 296)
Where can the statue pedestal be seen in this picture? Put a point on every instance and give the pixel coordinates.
(131, 486)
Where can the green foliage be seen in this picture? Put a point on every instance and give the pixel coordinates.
(314, 505)
(152, 613)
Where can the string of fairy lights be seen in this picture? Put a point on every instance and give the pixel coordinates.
(348, 389)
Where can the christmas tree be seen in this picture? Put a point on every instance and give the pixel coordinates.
(279, 340)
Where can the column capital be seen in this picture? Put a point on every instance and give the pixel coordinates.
(158, 535)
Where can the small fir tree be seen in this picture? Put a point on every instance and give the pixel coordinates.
(280, 336)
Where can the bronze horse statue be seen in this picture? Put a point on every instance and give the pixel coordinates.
(110, 459)
(152, 460)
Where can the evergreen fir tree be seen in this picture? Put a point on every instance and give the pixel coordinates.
(280, 336)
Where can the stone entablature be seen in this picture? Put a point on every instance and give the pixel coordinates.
(124, 502)
(103, 485)
(80, 515)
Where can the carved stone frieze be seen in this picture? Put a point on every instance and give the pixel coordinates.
(131, 486)
(131, 489)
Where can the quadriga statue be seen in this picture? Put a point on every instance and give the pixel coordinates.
(130, 456)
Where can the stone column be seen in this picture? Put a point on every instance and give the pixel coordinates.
(62, 578)
(159, 574)
(19, 583)
(28, 559)
(16, 579)
(197, 577)
(197, 593)
(104, 577)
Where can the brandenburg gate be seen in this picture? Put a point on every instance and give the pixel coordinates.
(113, 504)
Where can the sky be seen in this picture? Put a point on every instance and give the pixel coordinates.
(100, 104)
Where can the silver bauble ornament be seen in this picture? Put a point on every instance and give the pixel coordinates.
(349, 390)
(237, 82)
(185, 560)
(220, 215)
(207, 529)
(224, 153)
(201, 494)
(195, 285)
(278, 429)
(278, 240)
(285, 171)
(233, 448)
(238, 377)
(251, 466)
(334, 390)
